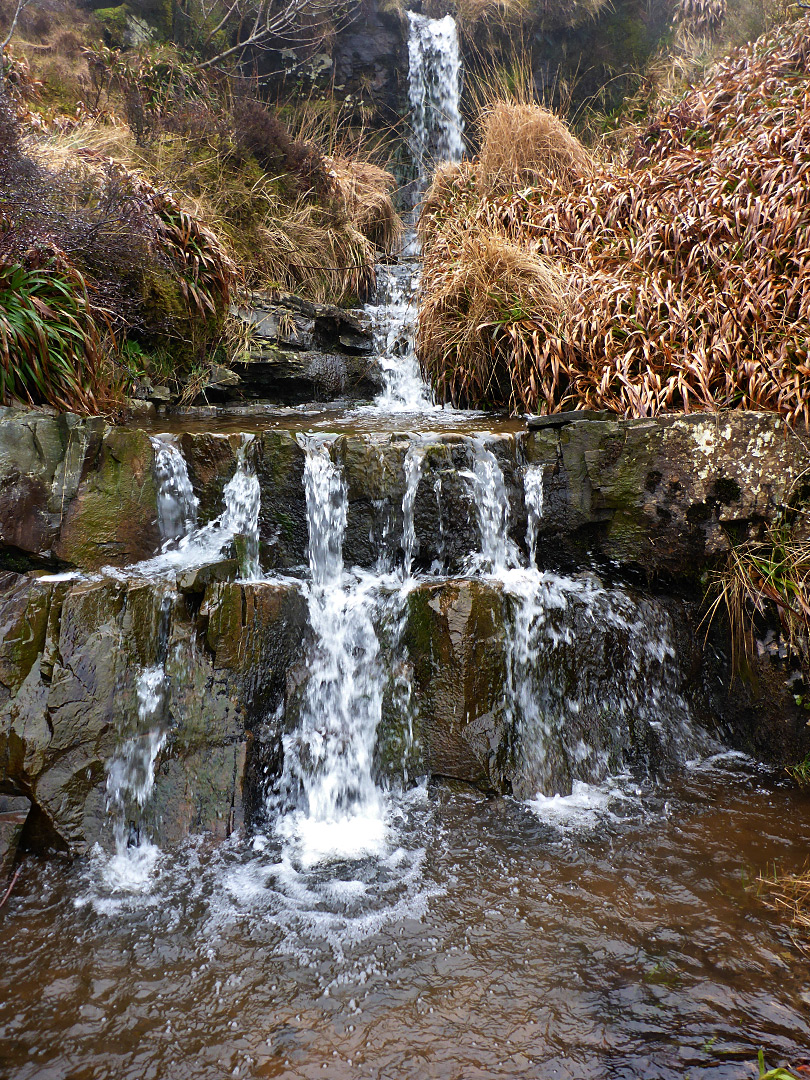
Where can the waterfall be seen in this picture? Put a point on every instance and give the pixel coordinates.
(498, 551)
(434, 92)
(592, 680)
(176, 501)
(534, 498)
(394, 318)
(338, 810)
(413, 474)
(240, 519)
(131, 771)
(187, 545)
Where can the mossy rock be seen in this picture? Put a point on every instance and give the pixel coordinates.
(113, 518)
(114, 22)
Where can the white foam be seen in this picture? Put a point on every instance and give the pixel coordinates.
(315, 840)
(585, 808)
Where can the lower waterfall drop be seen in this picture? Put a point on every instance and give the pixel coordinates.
(592, 683)
(339, 811)
(131, 772)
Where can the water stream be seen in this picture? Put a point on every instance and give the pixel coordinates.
(328, 757)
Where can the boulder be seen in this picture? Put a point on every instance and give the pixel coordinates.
(71, 659)
(301, 351)
(13, 816)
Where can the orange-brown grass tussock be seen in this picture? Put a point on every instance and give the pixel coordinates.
(523, 143)
(686, 272)
(364, 191)
(494, 283)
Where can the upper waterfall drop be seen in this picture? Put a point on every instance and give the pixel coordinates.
(434, 92)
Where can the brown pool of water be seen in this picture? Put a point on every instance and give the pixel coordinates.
(629, 943)
(356, 420)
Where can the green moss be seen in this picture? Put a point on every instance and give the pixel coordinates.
(114, 22)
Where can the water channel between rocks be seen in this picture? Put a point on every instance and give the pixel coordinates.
(569, 896)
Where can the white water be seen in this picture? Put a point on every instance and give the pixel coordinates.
(413, 475)
(176, 501)
(534, 496)
(498, 551)
(130, 782)
(394, 319)
(434, 92)
(197, 546)
(339, 811)
(591, 674)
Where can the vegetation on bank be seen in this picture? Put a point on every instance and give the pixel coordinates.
(144, 188)
(676, 279)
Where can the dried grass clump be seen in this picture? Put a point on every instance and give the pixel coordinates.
(523, 144)
(703, 18)
(688, 270)
(304, 250)
(482, 286)
(762, 578)
(789, 894)
(363, 191)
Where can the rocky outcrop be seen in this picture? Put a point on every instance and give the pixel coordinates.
(670, 495)
(363, 66)
(300, 351)
(75, 492)
(653, 502)
(663, 498)
(70, 658)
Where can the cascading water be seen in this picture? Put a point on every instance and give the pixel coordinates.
(434, 92)
(394, 318)
(413, 474)
(592, 682)
(187, 545)
(242, 496)
(328, 758)
(498, 551)
(176, 501)
(131, 771)
(534, 496)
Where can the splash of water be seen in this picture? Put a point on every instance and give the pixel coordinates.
(201, 544)
(130, 782)
(592, 681)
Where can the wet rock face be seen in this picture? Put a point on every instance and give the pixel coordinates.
(13, 816)
(75, 492)
(667, 496)
(663, 497)
(70, 658)
(301, 351)
(456, 640)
